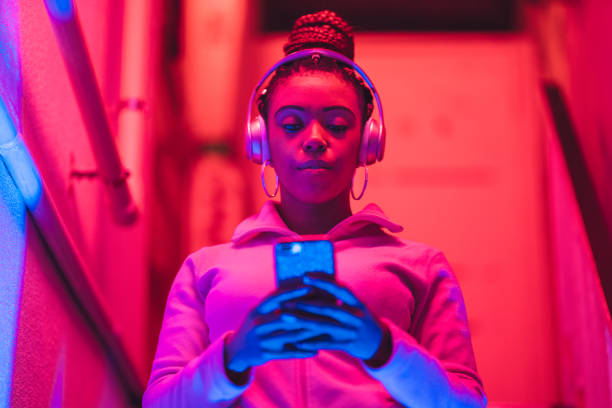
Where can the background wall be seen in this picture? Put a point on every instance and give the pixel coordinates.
(585, 32)
(59, 360)
(576, 55)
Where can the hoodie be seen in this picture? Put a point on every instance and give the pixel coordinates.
(408, 285)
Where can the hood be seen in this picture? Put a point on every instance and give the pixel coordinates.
(268, 221)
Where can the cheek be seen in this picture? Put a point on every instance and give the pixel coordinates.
(280, 151)
(353, 150)
(274, 146)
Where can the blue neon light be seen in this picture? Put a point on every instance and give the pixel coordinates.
(60, 9)
(12, 208)
(18, 160)
(20, 165)
(7, 129)
(12, 258)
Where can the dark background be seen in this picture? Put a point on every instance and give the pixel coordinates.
(399, 15)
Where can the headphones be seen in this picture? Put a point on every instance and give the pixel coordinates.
(372, 146)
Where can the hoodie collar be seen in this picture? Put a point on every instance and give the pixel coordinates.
(268, 221)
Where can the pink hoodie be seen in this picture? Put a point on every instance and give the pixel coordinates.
(410, 286)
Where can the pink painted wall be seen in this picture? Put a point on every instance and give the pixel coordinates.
(585, 341)
(589, 53)
(59, 362)
(57, 354)
(585, 329)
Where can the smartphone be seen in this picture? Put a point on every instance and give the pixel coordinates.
(293, 259)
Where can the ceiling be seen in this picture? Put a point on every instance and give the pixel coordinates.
(399, 15)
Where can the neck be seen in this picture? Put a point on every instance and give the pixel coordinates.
(317, 218)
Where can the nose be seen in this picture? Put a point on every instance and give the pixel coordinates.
(315, 142)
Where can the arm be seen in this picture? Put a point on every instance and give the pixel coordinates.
(436, 367)
(188, 370)
(433, 368)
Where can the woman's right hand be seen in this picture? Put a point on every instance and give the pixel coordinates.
(268, 334)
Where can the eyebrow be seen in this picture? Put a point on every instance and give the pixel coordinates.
(285, 107)
(344, 108)
(326, 109)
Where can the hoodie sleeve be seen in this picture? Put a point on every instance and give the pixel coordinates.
(188, 370)
(434, 367)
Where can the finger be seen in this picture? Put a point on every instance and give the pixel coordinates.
(325, 326)
(283, 321)
(278, 341)
(339, 292)
(312, 325)
(336, 313)
(275, 300)
(323, 345)
(271, 327)
(288, 321)
(281, 355)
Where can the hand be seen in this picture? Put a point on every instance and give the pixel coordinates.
(269, 334)
(347, 325)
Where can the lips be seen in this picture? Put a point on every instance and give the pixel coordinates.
(314, 165)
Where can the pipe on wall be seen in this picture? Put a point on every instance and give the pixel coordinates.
(134, 71)
(69, 35)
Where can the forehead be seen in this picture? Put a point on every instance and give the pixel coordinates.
(315, 90)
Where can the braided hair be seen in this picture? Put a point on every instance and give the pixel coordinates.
(324, 29)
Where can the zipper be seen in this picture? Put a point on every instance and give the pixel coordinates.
(306, 381)
(298, 386)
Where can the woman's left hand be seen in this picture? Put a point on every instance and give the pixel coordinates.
(349, 324)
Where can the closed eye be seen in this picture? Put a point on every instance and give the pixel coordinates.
(337, 128)
(292, 127)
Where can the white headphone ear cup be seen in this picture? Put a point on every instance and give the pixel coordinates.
(248, 140)
(382, 141)
(265, 147)
(370, 143)
(256, 141)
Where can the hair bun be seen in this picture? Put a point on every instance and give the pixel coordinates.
(324, 29)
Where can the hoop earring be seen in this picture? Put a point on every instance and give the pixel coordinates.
(263, 180)
(365, 183)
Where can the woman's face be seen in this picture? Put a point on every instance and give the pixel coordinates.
(314, 126)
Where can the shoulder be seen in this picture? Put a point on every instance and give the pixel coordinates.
(419, 250)
(421, 259)
(372, 228)
(432, 260)
(206, 254)
(198, 263)
(408, 251)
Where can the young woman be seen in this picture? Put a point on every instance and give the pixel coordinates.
(395, 333)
